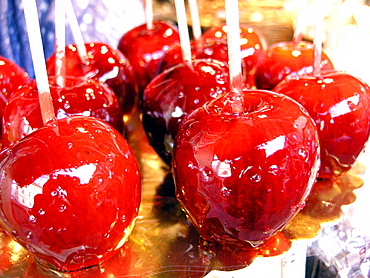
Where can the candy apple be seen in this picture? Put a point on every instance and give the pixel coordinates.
(12, 76)
(108, 65)
(284, 58)
(241, 176)
(80, 96)
(70, 192)
(340, 105)
(252, 44)
(214, 50)
(173, 94)
(145, 47)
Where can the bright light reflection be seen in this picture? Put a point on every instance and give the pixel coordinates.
(296, 53)
(25, 195)
(209, 70)
(104, 49)
(177, 113)
(328, 80)
(221, 168)
(343, 107)
(218, 34)
(82, 130)
(110, 74)
(273, 146)
(243, 41)
(169, 32)
(84, 172)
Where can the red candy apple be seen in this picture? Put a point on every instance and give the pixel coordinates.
(108, 65)
(12, 77)
(340, 105)
(284, 58)
(213, 50)
(252, 44)
(70, 192)
(170, 96)
(145, 47)
(241, 176)
(80, 96)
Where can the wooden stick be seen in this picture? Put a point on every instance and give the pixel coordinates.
(76, 31)
(318, 41)
(195, 22)
(38, 58)
(234, 53)
(149, 14)
(183, 31)
(60, 42)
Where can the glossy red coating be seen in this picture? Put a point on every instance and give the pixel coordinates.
(252, 44)
(12, 76)
(80, 96)
(241, 177)
(212, 50)
(70, 192)
(284, 58)
(145, 47)
(170, 96)
(340, 105)
(108, 65)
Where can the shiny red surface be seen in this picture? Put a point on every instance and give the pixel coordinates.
(108, 65)
(340, 105)
(80, 96)
(70, 192)
(174, 93)
(241, 177)
(212, 50)
(11, 77)
(252, 44)
(144, 48)
(284, 58)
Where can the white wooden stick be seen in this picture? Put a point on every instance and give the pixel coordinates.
(183, 31)
(38, 58)
(76, 31)
(149, 14)
(318, 41)
(60, 42)
(195, 22)
(234, 51)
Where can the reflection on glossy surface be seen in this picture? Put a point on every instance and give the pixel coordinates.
(210, 49)
(80, 96)
(164, 244)
(109, 66)
(144, 48)
(241, 177)
(70, 192)
(284, 58)
(252, 44)
(340, 105)
(173, 94)
(11, 77)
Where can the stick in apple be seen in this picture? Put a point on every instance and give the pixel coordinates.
(234, 53)
(301, 19)
(183, 31)
(149, 13)
(318, 41)
(76, 31)
(38, 58)
(60, 42)
(197, 32)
